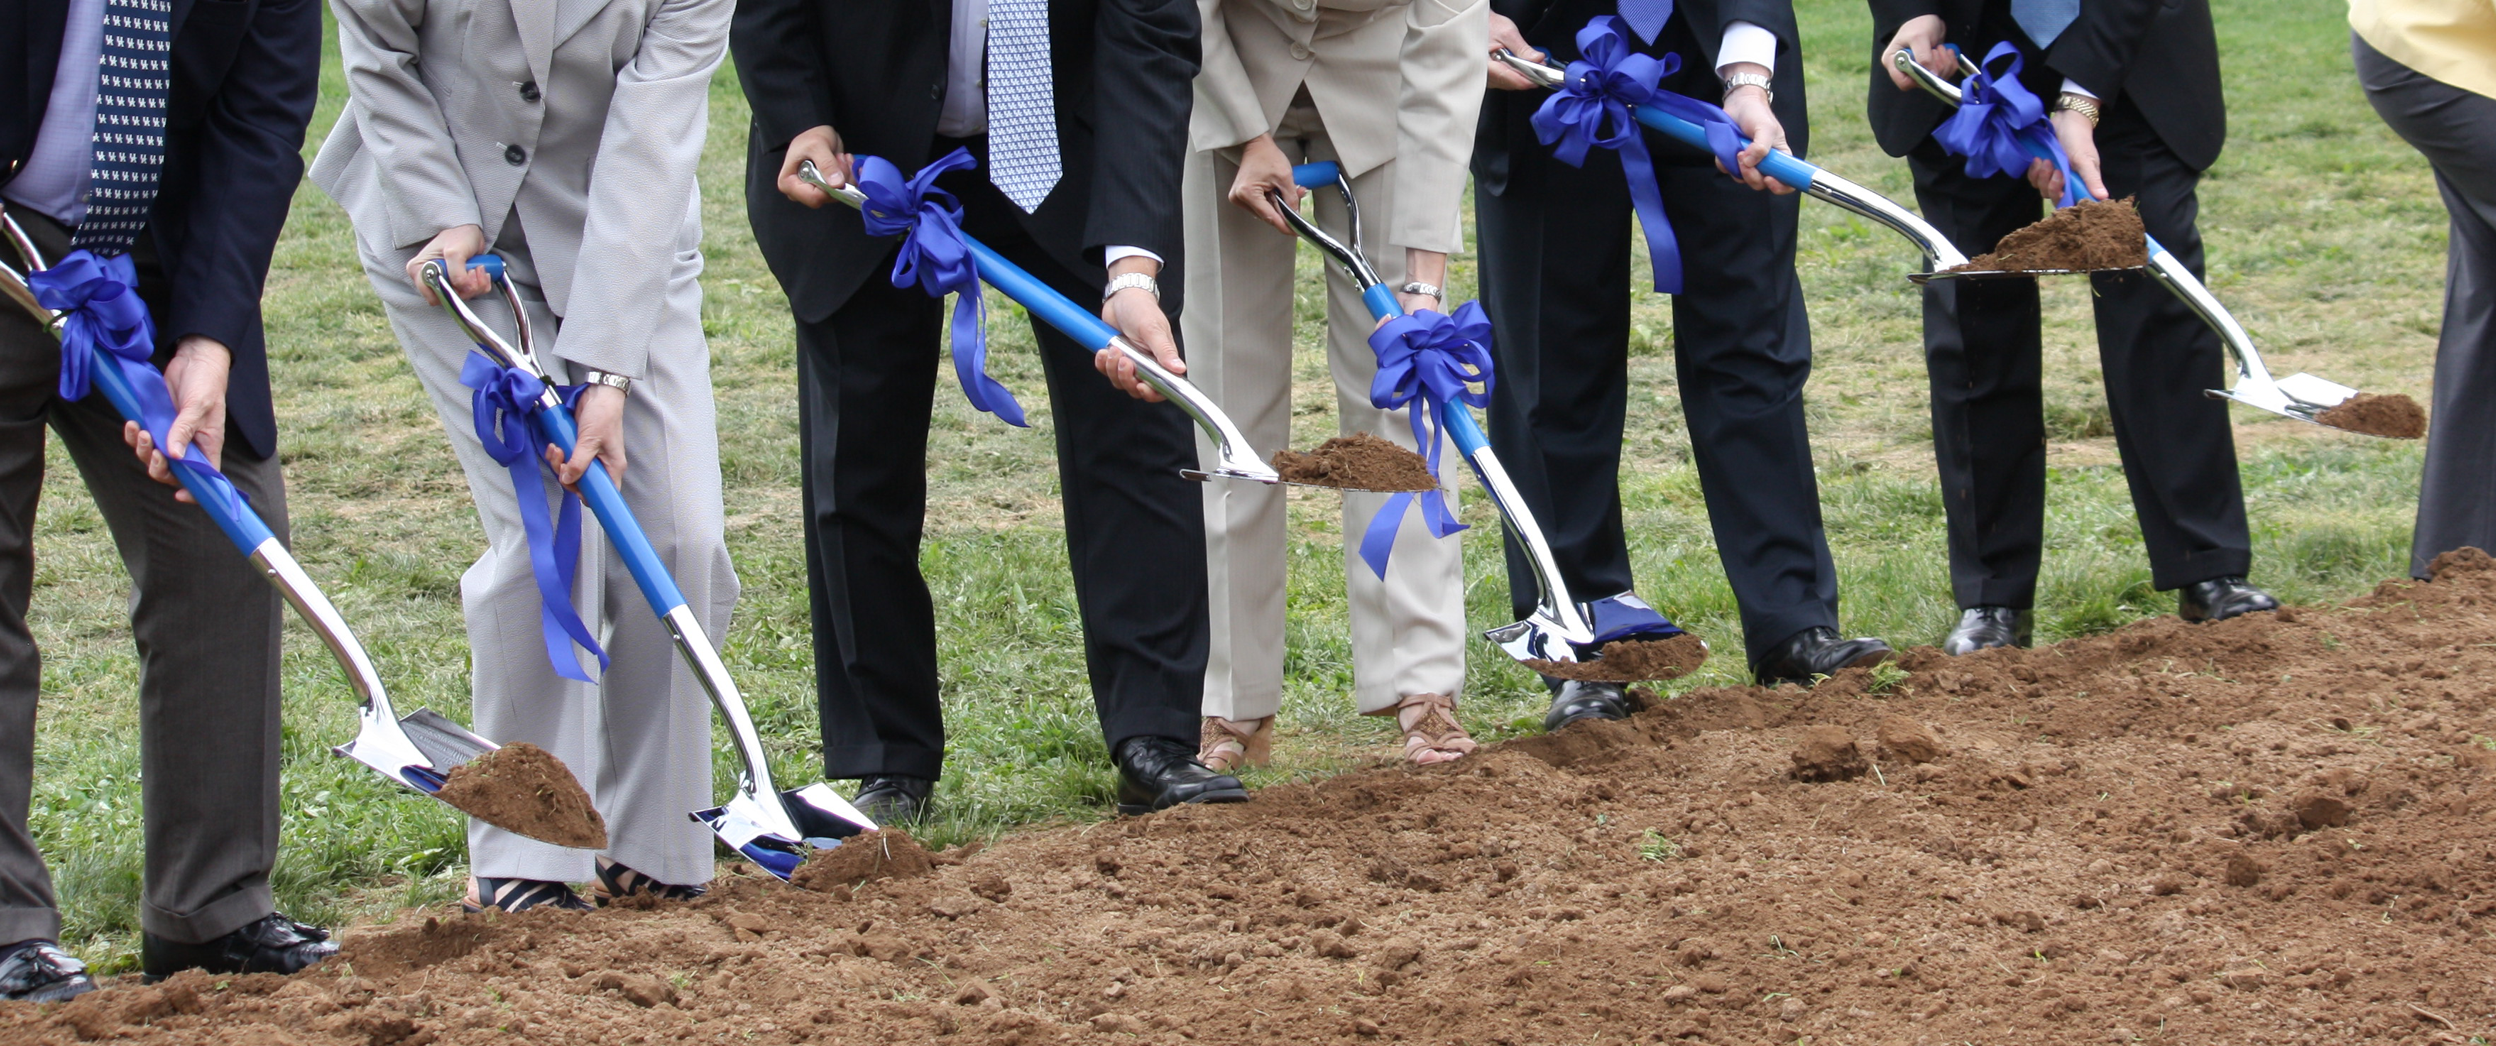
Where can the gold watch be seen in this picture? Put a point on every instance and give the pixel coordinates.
(2079, 103)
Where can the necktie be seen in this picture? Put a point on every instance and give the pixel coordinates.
(1646, 17)
(131, 80)
(1022, 103)
(2043, 20)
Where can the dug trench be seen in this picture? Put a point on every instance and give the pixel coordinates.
(2272, 829)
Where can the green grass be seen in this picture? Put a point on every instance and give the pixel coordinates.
(2325, 235)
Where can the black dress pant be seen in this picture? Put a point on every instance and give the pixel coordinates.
(1982, 348)
(1556, 279)
(1134, 528)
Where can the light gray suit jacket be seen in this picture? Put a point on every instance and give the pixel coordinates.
(585, 118)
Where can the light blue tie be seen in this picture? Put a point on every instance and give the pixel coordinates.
(1022, 103)
(2044, 19)
(1646, 17)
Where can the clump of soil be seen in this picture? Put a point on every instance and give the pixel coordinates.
(886, 854)
(1828, 753)
(1631, 661)
(2396, 416)
(2093, 234)
(2279, 828)
(524, 789)
(2468, 559)
(1359, 461)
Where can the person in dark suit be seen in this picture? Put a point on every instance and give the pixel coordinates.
(1556, 242)
(2149, 70)
(174, 139)
(1077, 112)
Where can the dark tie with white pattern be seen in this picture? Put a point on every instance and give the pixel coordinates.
(132, 76)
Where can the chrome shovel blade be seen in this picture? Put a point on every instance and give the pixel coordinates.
(416, 750)
(820, 813)
(2300, 396)
(1538, 638)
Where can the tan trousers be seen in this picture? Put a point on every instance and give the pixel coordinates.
(1408, 631)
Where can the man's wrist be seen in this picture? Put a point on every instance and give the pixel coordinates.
(202, 347)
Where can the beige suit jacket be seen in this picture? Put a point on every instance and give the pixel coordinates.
(584, 117)
(1392, 79)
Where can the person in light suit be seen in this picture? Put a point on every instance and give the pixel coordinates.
(1390, 90)
(564, 137)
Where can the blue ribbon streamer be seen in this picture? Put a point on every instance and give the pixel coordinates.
(102, 315)
(936, 257)
(1428, 363)
(504, 399)
(1591, 108)
(2001, 125)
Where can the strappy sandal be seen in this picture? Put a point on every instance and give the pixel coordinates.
(616, 882)
(1431, 733)
(1227, 745)
(519, 895)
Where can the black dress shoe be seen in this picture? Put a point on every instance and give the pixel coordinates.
(1982, 628)
(272, 944)
(1815, 652)
(890, 799)
(39, 971)
(1576, 699)
(2221, 598)
(1157, 773)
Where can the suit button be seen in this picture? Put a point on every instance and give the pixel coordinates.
(1304, 15)
(1300, 50)
(936, 91)
(515, 155)
(528, 91)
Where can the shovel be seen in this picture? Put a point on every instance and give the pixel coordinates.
(1812, 180)
(773, 829)
(414, 750)
(2300, 396)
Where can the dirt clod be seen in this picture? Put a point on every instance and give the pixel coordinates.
(1359, 461)
(1912, 741)
(2316, 810)
(1632, 661)
(524, 789)
(2094, 234)
(2243, 871)
(886, 854)
(1828, 753)
(2396, 416)
(2464, 560)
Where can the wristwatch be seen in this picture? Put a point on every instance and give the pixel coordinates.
(2079, 103)
(1132, 279)
(1750, 80)
(618, 382)
(1418, 287)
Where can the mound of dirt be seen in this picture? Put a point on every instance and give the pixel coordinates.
(2093, 234)
(887, 854)
(1632, 661)
(2272, 829)
(524, 789)
(1359, 461)
(2396, 416)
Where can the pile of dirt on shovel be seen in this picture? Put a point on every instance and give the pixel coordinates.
(2275, 829)
(523, 788)
(2093, 234)
(2396, 416)
(1632, 661)
(1359, 461)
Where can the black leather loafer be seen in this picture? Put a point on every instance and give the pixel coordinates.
(1815, 652)
(272, 944)
(1157, 773)
(39, 971)
(1573, 700)
(2221, 598)
(889, 799)
(1982, 628)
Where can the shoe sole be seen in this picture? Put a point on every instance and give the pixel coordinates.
(1222, 795)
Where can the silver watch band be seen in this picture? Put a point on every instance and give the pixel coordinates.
(618, 382)
(1431, 289)
(1132, 279)
(1751, 80)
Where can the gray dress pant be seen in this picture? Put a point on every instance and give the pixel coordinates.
(206, 627)
(2456, 130)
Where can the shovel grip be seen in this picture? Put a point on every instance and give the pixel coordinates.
(554, 424)
(1312, 175)
(1779, 165)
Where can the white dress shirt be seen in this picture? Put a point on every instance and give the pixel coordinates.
(1746, 42)
(60, 167)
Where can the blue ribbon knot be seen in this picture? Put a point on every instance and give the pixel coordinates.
(2001, 125)
(1591, 109)
(503, 401)
(936, 257)
(1429, 363)
(104, 320)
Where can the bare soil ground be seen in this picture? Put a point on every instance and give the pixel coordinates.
(2269, 830)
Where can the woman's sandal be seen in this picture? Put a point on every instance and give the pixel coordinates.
(1227, 745)
(1431, 733)
(519, 895)
(616, 882)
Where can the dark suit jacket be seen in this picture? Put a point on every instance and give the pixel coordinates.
(2163, 54)
(874, 70)
(1552, 25)
(245, 76)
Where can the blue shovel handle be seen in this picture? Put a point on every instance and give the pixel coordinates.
(216, 494)
(1781, 166)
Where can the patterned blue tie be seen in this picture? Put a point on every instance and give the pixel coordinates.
(1647, 17)
(1022, 103)
(2043, 20)
(131, 80)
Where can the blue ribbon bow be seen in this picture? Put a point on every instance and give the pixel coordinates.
(2001, 125)
(936, 257)
(1429, 363)
(103, 318)
(1592, 109)
(504, 399)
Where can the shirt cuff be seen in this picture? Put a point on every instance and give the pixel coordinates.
(2072, 87)
(1113, 255)
(1746, 42)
